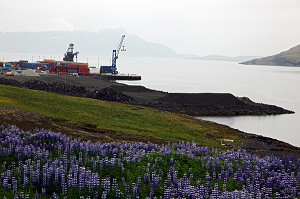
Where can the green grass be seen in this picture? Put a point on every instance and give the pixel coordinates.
(116, 117)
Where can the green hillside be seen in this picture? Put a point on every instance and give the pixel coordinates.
(286, 58)
(115, 118)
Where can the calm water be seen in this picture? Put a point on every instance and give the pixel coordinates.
(266, 84)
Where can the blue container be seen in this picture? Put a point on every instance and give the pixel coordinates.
(106, 69)
(7, 66)
(25, 65)
(72, 71)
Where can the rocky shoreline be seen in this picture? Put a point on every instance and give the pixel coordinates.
(220, 104)
(194, 104)
(229, 105)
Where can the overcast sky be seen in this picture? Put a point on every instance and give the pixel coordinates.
(201, 27)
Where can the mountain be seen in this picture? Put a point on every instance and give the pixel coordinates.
(226, 58)
(290, 57)
(88, 43)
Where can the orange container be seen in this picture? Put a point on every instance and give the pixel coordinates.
(83, 66)
(63, 73)
(72, 67)
(87, 69)
(48, 60)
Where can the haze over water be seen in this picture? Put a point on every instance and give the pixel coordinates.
(264, 84)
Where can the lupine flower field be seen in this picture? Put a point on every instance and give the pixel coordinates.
(44, 164)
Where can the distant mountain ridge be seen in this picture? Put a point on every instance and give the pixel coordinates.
(290, 57)
(226, 58)
(88, 43)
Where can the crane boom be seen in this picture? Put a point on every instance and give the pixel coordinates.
(120, 45)
(115, 56)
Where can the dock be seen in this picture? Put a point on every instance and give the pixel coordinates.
(130, 77)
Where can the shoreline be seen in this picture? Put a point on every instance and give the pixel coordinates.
(141, 96)
(193, 104)
(261, 145)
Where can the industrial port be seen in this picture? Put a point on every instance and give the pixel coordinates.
(68, 66)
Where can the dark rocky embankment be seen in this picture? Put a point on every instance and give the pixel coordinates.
(214, 104)
(194, 104)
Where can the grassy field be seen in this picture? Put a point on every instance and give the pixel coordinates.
(117, 117)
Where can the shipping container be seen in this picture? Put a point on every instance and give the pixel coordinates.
(82, 64)
(52, 69)
(106, 69)
(72, 68)
(72, 71)
(23, 61)
(72, 64)
(63, 73)
(61, 67)
(45, 66)
(83, 69)
(48, 60)
(7, 66)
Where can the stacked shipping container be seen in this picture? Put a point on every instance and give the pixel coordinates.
(83, 69)
(24, 64)
(66, 68)
(54, 67)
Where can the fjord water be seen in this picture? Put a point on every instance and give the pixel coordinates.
(275, 85)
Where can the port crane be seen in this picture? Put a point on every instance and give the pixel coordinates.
(70, 54)
(115, 56)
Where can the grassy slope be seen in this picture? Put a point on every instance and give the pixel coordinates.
(116, 117)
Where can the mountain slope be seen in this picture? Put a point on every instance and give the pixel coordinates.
(87, 43)
(290, 57)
